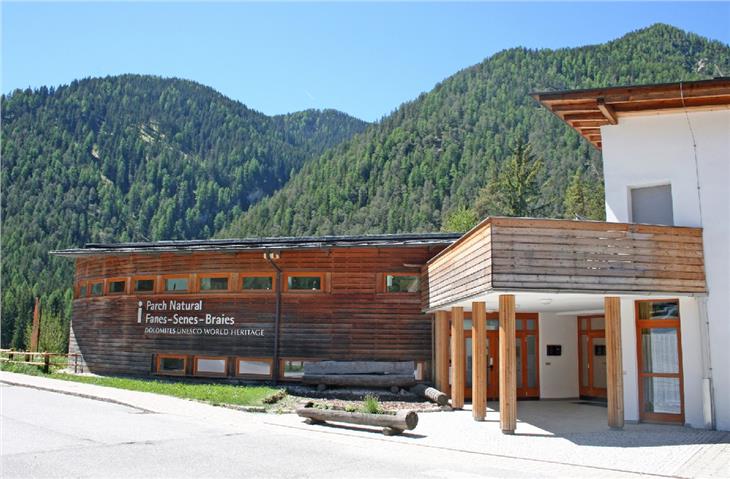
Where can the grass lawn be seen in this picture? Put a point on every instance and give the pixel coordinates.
(210, 393)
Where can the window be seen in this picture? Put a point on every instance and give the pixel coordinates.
(174, 285)
(302, 282)
(117, 286)
(401, 283)
(97, 289)
(144, 285)
(82, 290)
(652, 205)
(257, 283)
(293, 368)
(210, 366)
(214, 284)
(253, 367)
(172, 364)
(660, 361)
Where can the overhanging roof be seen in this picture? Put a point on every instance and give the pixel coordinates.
(271, 243)
(588, 110)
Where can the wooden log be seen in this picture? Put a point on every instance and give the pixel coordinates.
(507, 365)
(36, 330)
(432, 394)
(458, 358)
(398, 422)
(614, 365)
(479, 360)
(362, 380)
(359, 367)
(442, 350)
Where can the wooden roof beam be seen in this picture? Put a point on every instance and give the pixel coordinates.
(596, 115)
(588, 123)
(607, 111)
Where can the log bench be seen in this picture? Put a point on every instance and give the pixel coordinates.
(366, 374)
(391, 423)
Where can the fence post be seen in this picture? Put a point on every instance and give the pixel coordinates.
(76, 363)
(46, 363)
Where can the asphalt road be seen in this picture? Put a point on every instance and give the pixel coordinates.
(46, 434)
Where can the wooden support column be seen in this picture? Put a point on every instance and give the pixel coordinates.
(442, 351)
(507, 365)
(457, 358)
(479, 360)
(614, 363)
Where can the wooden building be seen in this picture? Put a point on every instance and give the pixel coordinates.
(515, 308)
(254, 309)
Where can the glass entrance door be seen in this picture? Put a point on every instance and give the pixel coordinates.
(592, 356)
(528, 377)
(661, 395)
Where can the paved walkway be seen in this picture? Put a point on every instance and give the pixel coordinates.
(553, 438)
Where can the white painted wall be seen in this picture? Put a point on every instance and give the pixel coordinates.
(657, 149)
(559, 378)
(691, 362)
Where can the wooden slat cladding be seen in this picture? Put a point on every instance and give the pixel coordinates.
(349, 320)
(461, 271)
(578, 256)
(522, 254)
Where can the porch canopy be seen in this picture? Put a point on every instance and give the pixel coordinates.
(528, 264)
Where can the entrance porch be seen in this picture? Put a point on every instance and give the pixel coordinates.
(598, 295)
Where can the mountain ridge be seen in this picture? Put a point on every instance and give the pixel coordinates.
(434, 153)
(138, 157)
(133, 157)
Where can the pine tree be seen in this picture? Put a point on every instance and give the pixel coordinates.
(515, 190)
(584, 198)
(460, 220)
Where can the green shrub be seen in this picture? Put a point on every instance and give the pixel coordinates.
(371, 404)
(21, 368)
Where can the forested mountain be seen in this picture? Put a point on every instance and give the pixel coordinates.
(133, 158)
(435, 155)
(143, 158)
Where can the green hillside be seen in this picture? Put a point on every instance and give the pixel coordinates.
(144, 158)
(133, 158)
(434, 154)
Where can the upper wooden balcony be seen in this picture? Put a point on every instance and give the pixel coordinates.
(525, 254)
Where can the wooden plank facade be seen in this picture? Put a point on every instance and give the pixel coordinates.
(524, 254)
(352, 316)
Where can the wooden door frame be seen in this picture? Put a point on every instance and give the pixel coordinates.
(523, 392)
(658, 323)
(591, 391)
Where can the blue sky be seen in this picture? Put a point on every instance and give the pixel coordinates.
(361, 58)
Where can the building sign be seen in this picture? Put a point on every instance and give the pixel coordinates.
(172, 317)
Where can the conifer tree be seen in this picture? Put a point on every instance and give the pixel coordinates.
(515, 189)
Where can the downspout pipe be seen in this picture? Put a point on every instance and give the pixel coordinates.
(277, 316)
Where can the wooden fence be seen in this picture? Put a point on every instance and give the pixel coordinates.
(43, 360)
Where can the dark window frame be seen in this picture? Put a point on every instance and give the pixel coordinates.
(178, 372)
(304, 274)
